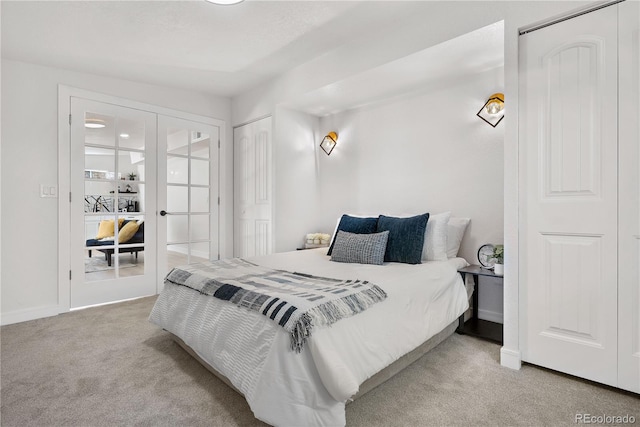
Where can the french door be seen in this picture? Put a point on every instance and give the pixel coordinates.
(113, 203)
(144, 198)
(188, 199)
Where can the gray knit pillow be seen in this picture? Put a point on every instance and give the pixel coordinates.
(360, 248)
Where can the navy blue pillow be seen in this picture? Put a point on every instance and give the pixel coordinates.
(406, 237)
(352, 224)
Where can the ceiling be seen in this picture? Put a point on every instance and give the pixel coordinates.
(195, 45)
(228, 50)
(449, 61)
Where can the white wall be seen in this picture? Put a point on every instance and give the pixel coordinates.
(30, 158)
(296, 178)
(426, 152)
(417, 26)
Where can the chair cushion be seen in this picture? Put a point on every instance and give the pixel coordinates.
(106, 228)
(127, 231)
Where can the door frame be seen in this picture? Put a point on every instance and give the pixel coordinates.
(65, 93)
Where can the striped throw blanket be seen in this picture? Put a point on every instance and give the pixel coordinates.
(295, 301)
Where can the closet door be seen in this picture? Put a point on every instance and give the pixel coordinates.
(569, 196)
(629, 217)
(252, 189)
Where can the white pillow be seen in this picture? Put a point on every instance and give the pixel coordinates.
(455, 231)
(435, 242)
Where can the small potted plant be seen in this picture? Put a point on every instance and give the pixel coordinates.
(132, 176)
(498, 255)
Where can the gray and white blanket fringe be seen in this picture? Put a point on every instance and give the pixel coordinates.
(297, 302)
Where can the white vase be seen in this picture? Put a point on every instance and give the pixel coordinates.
(498, 269)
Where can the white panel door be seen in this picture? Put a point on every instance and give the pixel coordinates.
(113, 172)
(252, 189)
(188, 189)
(629, 219)
(569, 143)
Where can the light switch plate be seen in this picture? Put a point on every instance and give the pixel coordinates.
(48, 191)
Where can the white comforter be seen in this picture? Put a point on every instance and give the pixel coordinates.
(285, 388)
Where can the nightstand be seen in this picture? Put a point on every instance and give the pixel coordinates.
(477, 327)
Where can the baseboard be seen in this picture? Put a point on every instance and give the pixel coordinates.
(510, 358)
(491, 316)
(29, 314)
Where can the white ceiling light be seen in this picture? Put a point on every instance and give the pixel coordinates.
(225, 2)
(124, 135)
(94, 123)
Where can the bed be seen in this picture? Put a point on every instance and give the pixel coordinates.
(338, 363)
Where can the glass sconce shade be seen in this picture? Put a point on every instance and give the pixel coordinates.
(492, 111)
(94, 123)
(225, 2)
(329, 142)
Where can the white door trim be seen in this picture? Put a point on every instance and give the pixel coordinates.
(64, 179)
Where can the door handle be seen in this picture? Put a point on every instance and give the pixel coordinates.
(163, 213)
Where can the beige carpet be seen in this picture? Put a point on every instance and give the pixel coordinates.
(108, 366)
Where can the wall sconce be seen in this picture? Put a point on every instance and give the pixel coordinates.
(329, 142)
(492, 111)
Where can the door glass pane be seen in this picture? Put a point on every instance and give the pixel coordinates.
(130, 166)
(199, 145)
(98, 196)
(177, 255)
(99, 163)
(199, 199)
(178, 141)
(199, 172)
(177, 170)
(139, 205)
(99, 129)
(199, 227)
(200, 252)
(177, 198)
(99, 244)
(96, 267)
(130, 260)
(177, 228)
(130, 133)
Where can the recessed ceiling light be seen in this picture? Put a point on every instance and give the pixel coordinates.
(124, 135)
(94, 123)
(225, 2)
